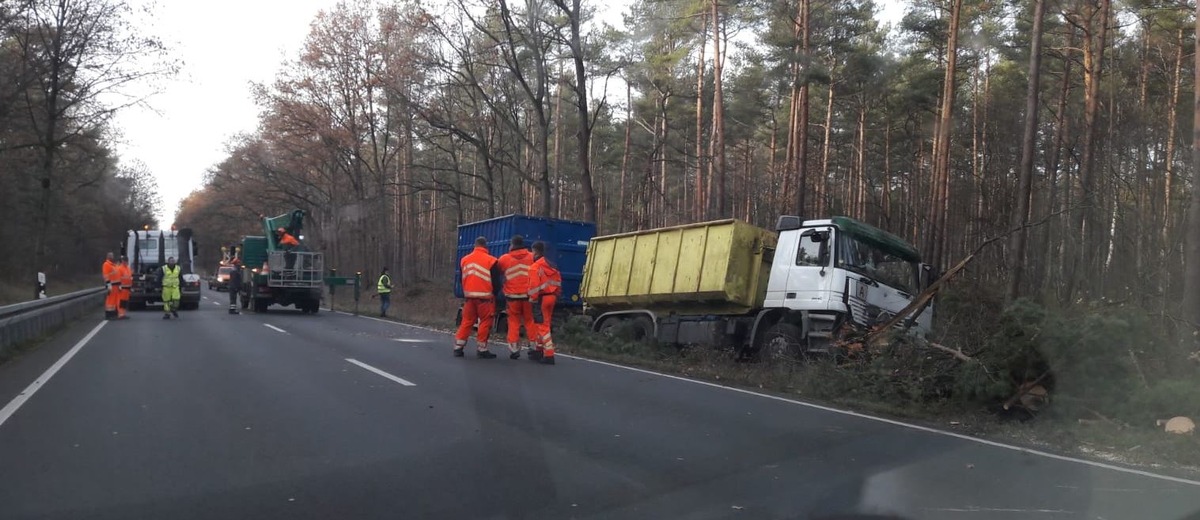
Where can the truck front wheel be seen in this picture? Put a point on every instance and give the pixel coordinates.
(783, 341)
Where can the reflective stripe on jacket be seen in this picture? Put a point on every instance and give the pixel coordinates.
(544, 279)
(384, 285)
(477, 273)
(170, 276)
(516, 265)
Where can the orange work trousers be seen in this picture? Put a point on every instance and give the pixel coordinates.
(545, 340)
(520, 312)
(123, 304)
(112, 300)
(484, 311)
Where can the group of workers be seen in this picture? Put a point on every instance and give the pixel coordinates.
(118, 280)
(523, 278)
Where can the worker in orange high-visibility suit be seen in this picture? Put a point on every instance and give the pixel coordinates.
(515, 264)
(289, 244)
(545, 283)
(286, 240)
(112, 283)
(125, 278)
(479, 268)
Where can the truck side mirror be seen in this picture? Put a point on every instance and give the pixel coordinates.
(927, 276)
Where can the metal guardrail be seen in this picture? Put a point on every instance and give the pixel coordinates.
(21, 322)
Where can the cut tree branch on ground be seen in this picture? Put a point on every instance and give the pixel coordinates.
(1024, 390)
(956, 353)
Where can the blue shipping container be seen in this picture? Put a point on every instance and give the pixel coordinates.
(566, 246)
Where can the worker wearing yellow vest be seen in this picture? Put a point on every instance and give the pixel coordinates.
(515, 264)
(384, 288)
(478, 270)
(170, 289)
(125, 278)
(112, 283)
(545, 282)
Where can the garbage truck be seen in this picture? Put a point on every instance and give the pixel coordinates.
(795, 291)
(275, 275)
(148, 250)
(566, 244)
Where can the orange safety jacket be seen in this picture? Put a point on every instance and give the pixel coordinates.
(515, 265)
(477, 273)
(110, 272)
(544, 279)
(287, 239)
(125, 275)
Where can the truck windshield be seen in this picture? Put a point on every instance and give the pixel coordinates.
(876, 263)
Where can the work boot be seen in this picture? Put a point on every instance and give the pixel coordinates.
(547, 360)
(458, 352)
(166, 316)
(514, 355)
(174, 313)
(483, 354)
(535, 354)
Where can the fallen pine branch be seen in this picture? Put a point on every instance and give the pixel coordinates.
(957, 353)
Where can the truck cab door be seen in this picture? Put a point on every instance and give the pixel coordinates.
(802, 274)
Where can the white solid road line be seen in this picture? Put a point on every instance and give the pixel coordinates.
(216, 303)
(272, 327)
(37, 384)
(382, 373)
(409, 340)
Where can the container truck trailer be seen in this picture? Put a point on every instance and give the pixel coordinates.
(730, 284)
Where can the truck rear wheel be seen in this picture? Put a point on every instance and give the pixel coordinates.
(261, 304)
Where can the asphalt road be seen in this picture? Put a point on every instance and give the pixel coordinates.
(266, 417)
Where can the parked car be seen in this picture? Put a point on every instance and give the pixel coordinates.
(220, 282)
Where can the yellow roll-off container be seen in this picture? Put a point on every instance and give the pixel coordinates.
(718, 268)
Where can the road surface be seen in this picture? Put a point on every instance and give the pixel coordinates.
(284, 415)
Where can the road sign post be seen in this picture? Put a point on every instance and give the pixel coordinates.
(357, 285)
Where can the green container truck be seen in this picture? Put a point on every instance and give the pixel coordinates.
(730, 284)
(272, 275)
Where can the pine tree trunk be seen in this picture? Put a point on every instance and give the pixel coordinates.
(558, 177)
(1169, 166)
(1086, 223)
(698, 208)
(801, 112)
(621, 209)
(1028, 143)
(718, 124)
(1191, 275)
(939, 203)
(822, 184)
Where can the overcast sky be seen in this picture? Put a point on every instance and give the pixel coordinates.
(224, 46)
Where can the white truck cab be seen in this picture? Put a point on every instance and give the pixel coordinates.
(840, 269)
